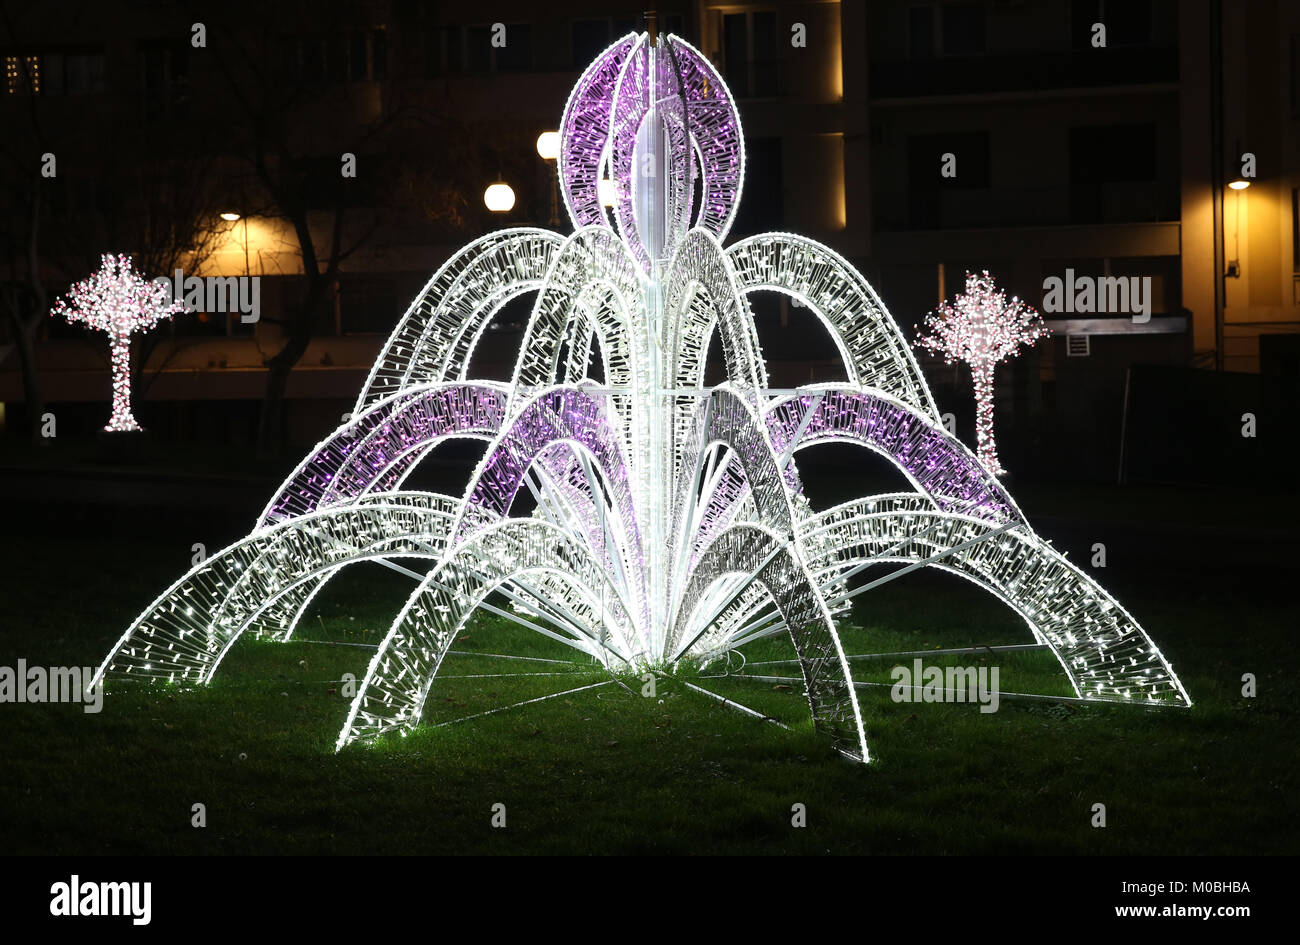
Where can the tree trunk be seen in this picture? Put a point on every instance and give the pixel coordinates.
(270, 430)
(270, 426)
(982, 374)
(121, 419)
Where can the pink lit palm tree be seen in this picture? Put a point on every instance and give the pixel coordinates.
(120, 302)
(981, 328)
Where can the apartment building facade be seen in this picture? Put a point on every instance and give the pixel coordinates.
(919, 138)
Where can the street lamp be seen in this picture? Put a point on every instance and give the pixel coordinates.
(548, 145)
(499, 197)
(1232, 269)
(548, 148)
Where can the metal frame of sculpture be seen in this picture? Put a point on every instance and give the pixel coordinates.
(670, 523)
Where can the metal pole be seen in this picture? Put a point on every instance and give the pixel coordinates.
(1216, 172)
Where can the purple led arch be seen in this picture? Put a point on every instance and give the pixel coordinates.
(938, 463)
(584, 134)
(602, 121)
(376, 449)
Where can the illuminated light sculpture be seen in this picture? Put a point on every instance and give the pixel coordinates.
(981, 328)
(670, 523)
(118, 301)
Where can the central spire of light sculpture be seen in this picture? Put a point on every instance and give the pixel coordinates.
(670, 523)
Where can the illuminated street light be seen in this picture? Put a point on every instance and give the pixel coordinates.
(548, 145)
(230, 216)
(499, 197)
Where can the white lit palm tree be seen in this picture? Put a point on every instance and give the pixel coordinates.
(980, 328)
(118, 301)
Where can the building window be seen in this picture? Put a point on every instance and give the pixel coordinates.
(309, 61)
(1127, 22)
(515, 56)
(478, 49)
(927, 159)
(751, 54)
(443, 51)
(1106, 153)
(920, 32)
(1160, 276)
(357, 58)
(164, 79)
(762, 210)
(963, 28)
(1295, 74)
(23, 75)
(1113, 176)
(592, 35)
(946, 29)
(1295, 229)
(338, 58)
(83, 73)
(55, 73)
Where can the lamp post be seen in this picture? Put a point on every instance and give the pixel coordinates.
(1233, 268)
(548, 149)
(1216, 172)
(235, 216)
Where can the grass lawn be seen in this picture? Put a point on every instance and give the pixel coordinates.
(605, 770)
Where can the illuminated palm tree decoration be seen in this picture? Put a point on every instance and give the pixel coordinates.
(669, 525)
(118, 301)
(981, 328)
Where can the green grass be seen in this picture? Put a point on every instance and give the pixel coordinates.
(608, 771)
